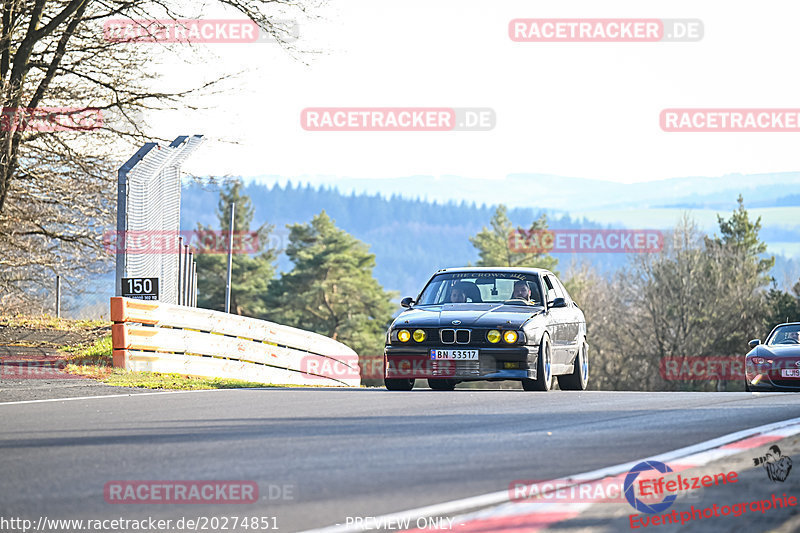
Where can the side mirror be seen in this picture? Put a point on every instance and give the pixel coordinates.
(408, 301)
(754, 342)
(558, 302)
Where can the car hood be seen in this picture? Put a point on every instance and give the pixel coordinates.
(470, 314)
(777, 350)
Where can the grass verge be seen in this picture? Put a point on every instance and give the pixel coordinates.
(51, 322)
(95, 361)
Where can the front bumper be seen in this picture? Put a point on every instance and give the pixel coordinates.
(763, 382)
(767, 376)
(495, 363)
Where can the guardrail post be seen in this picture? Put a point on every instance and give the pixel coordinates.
(186, 267)
(193, 282)
(194, 301)
(58, 296)
(180, 271)
(230, 262)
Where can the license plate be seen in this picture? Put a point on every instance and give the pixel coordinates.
(790, 373)
(455, 355)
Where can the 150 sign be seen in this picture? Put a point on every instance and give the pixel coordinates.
(140, 288)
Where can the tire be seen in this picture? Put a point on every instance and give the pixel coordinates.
(404, 384)
(441, 384)
(747, 385)
(544, 370)
(580, 372)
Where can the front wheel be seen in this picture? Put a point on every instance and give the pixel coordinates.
(399, 383)
(544, 370)
(580, 372)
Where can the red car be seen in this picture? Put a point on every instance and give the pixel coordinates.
(775, 365)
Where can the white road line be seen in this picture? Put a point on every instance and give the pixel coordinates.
(130, 394)
(499, 497)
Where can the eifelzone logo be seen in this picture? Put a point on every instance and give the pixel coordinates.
(630, 494)
(775, 463)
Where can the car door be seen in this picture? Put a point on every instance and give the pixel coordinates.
(560, 319)
(573, 315)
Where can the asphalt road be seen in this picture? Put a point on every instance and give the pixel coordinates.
(320, 455)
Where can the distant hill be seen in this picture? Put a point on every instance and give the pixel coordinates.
(567, 194)
(784, 201)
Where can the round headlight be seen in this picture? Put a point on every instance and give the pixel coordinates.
(403, 335)
(510, 337)
(493, 336)
(419, 335)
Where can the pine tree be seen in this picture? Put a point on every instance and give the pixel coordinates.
(250, 276)
(496, 245)
(330, 289)
(782, 307)
(740, 234)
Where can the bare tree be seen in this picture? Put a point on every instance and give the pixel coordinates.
(698, 297)
(71, 99)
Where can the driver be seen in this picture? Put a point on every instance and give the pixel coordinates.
(793, 336)
(521, 290)
(457, 294)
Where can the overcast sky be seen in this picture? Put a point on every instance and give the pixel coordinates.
(572, 109)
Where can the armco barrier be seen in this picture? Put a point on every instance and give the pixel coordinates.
(159, 337)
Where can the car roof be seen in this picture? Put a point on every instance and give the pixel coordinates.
(787, 324)
(526, 270)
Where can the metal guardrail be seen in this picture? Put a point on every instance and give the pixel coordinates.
(160, 337)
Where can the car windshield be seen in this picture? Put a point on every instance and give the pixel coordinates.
(482, 287)
(788, 334)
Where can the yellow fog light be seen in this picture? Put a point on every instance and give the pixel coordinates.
(419, 335)
(403, 335)
(510, 337)
(493, 336)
